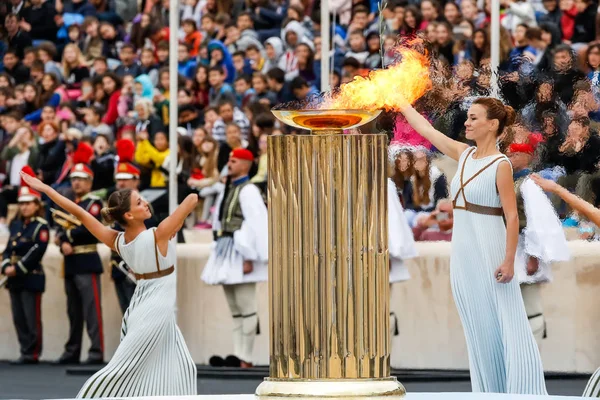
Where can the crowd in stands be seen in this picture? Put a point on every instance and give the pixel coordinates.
(96, 71)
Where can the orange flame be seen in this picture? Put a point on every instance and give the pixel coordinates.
(389, 89)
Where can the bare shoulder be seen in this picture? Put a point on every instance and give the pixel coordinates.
(460, 149)
(504, 173)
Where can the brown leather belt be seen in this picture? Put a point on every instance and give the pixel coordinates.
(84, 249)
(157, 274)
(477, 209)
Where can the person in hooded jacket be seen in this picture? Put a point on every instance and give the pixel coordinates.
(274, 51)
(292, 35)
(220, 56)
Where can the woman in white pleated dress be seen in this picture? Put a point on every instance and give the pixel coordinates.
(503, 354)
(152, 358)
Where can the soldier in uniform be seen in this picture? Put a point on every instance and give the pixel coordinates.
(22, 264)
(82, 274)
(240, 256)
(541, 237)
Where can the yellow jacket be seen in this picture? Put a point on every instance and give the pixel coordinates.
(146, 155)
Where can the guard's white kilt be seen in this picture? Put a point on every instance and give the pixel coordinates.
(401, 240)
(542, 238)
(225, 265)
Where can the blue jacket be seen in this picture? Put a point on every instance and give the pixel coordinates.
(25, 248)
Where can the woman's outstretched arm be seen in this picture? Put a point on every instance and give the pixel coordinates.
(103, 233)
(576, 202)
(169, 226)
(443, 143)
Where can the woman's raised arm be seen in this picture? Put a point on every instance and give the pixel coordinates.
(443, 143)
(576, 202)
(103, 233)
(169, 226)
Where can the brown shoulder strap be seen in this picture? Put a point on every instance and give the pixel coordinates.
(117, 244)
(481, 170)
(462, 171)
(156, 250)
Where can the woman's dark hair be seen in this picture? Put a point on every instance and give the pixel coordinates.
(115, 78)
(595, 46)
(497, 110)
(418, 20)
(45, 96)
(186, 152)
(118, 204)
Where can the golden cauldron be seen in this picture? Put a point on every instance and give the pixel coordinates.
(328, 259)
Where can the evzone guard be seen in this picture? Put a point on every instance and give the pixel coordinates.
(541, 237)
(240, 254)
(401, 246)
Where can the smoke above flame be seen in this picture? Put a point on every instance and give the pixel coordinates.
(389, 89)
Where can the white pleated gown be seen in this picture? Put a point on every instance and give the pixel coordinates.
(152, 358)
(503, 354)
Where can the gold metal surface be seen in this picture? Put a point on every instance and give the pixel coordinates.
(326, 121)
(66, 220)
(328, 255)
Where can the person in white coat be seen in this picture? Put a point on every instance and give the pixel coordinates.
(240, 254)
(542, 239)
(401, 246)
(587, 210)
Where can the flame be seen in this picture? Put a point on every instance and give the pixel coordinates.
(389, 89)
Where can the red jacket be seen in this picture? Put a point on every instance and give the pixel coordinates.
(112, 112)
(567, 23)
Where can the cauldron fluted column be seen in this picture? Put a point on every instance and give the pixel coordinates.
(328, 265)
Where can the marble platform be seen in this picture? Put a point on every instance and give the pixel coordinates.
(431, 335)
(409, 396)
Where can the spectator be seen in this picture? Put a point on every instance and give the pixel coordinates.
(151, 156)
(94, 124)
(17, 38)
(245, 94)
(103, 163)
(205, 176)
(19, 152)
(39, 20)
(128, 64)
(147, 120)
(47, 53)
(112, 89)
(428, 184)
(565, 73)
(437, 225)
(274, 52)
(278, 85)
(255, 56)
(261, 89)
(51, 94)
(233, 140)
(75, 70)
(219, 90)
(302, 90)
(230, 114)
(14, 68)
(51, 155)
(193, 37)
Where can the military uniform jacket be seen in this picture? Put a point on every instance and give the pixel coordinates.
(25, 248)
(85, 258)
